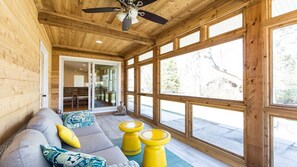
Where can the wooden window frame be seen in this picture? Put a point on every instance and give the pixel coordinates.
(139, 93)
(187, 34)
(270, 77)
(226, 18)
(145, 60)
(168, 127)
(130, 65)
(203, 43)
(131, 94)
(198, 45)
(273, 110)
(269, 10)
(127, 81)
(241, 109)
(165, 45)
(218, 103)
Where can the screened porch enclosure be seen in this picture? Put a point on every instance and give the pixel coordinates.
(211, 86)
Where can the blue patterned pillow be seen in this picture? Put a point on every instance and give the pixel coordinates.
(78, 119)
(63, 158)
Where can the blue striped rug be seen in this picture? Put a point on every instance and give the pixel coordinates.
(172, 159)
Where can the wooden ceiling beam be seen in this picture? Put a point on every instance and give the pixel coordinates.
(76, 49)
(80, 24)
(38, 4)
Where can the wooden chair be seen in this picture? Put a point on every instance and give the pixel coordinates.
(82, 96)
(68, 97)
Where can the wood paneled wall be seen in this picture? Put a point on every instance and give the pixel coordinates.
(57, 52)
(20, 36)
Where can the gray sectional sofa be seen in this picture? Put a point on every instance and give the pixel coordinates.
(25, 151)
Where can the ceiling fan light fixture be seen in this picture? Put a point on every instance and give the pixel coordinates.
(134, 20)
(121, 16)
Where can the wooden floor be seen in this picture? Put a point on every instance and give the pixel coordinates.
(69, 109)
(109, 124)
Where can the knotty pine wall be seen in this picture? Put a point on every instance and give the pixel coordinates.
(20, 35)
(57, 52)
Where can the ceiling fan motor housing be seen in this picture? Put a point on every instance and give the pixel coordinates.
(133, 12)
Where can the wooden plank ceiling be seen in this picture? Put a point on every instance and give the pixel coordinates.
(70, 28)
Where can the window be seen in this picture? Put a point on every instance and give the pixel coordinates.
(280, 7)
(284, 142)
(130, 103)
(226, 26)
(166, 48)
(215, 72)
(146, 76)
(284, 69)
(131, 79)
(146, 106)
(173, 114)
(130, 61)
(189, 39)
(146, 56)
(220, 127)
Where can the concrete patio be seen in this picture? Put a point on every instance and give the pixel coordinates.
(225, 136)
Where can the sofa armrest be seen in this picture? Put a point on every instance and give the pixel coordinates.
(126, 164)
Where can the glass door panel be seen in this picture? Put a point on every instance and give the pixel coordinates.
(90, 66)
(104, 86)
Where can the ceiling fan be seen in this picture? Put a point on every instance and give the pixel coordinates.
(129, 11)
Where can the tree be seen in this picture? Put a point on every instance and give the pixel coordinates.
(170, 79)
(284, 65)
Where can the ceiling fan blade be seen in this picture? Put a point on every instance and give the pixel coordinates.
(102, 10)
(141, 3)
(152, 17)
(126, 23)
(123, 3)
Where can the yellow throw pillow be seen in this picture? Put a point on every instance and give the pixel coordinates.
(68, 136)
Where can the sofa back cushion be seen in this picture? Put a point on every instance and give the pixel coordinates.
(25, 150)
(50, 114)
(47, 127)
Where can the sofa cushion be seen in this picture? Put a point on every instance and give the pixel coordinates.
(61, 157)
(113, 155)
(25, 151)
(91, 143)
(48, 113)
(95, 128)
(47, 128)
(68, 136)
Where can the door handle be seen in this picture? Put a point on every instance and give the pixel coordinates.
(43, 95)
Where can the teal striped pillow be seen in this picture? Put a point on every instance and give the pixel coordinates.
(63, 158)
(77, 119)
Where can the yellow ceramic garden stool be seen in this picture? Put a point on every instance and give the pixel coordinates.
(131, 144)
(154, 151)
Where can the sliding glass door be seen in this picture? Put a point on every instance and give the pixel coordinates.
(90, 85)
(76, 92)
(104, 86)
